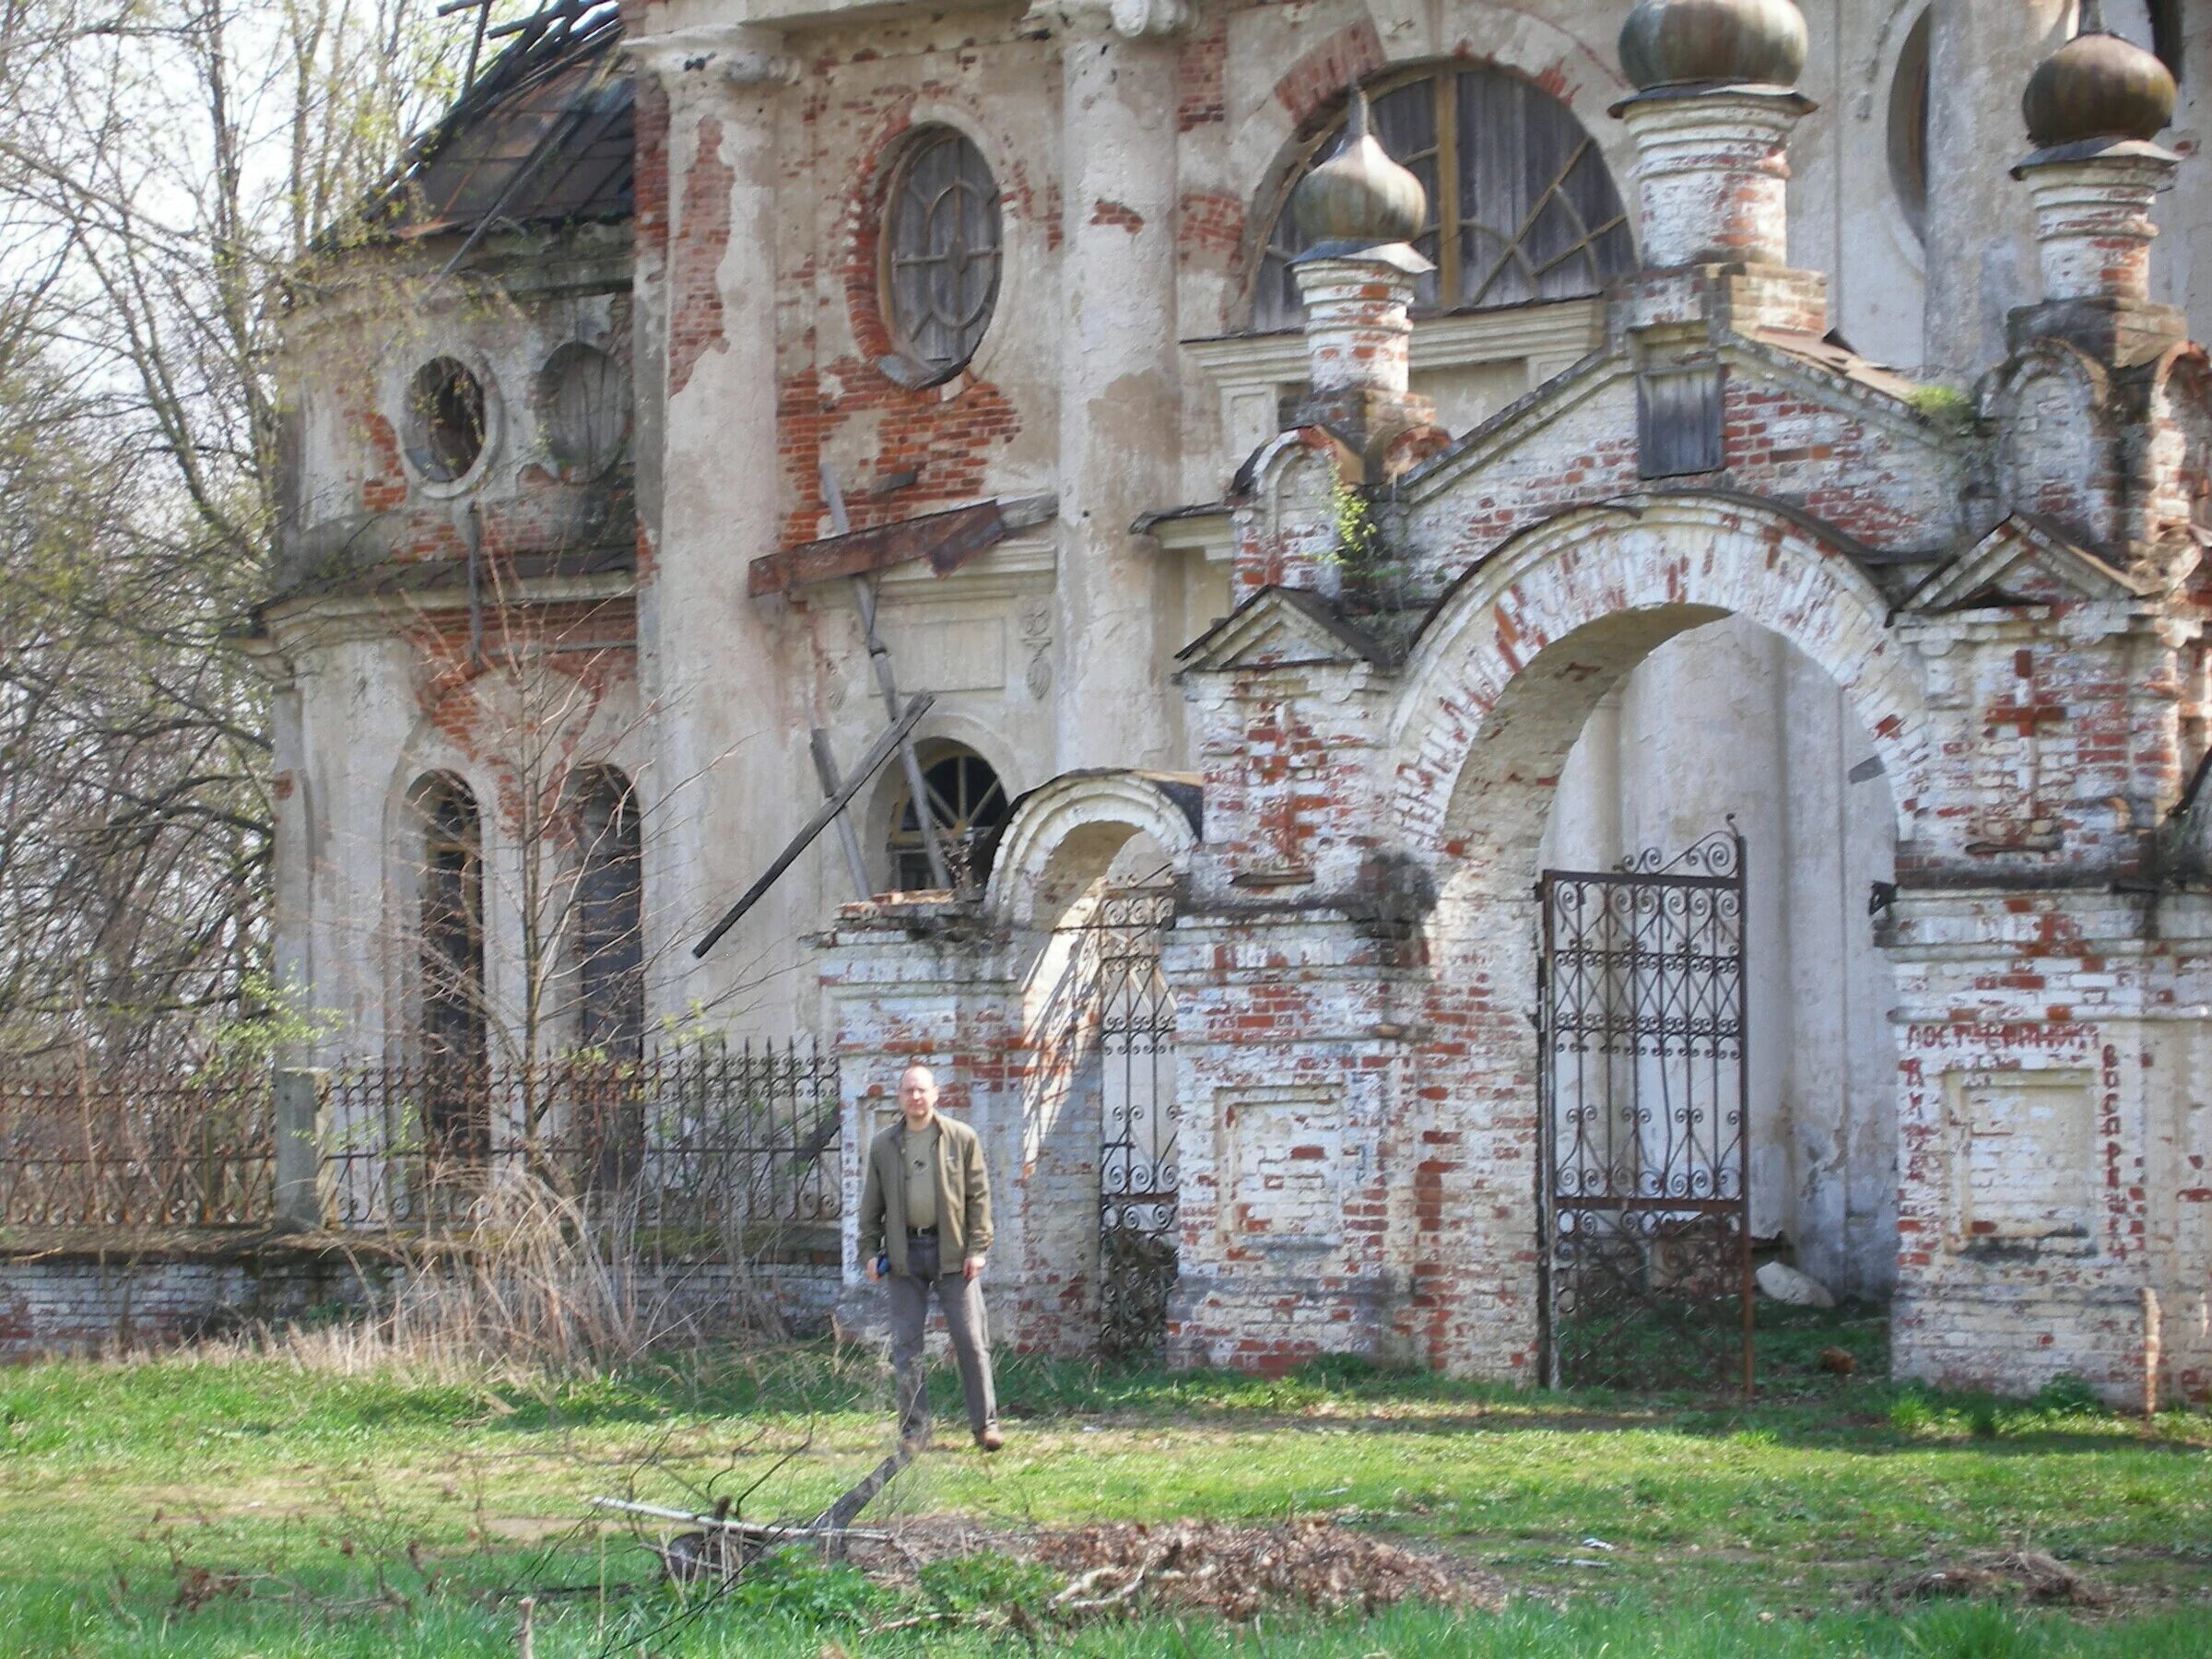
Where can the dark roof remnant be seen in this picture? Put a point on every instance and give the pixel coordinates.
(544, 134)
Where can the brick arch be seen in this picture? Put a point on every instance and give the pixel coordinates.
(1063, 835)
(1496, 693)
(1510, 667)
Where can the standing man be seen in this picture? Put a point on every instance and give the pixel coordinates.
(925, 1212)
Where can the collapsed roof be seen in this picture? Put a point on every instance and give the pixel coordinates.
(545, 134)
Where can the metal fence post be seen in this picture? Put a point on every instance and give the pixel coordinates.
(299, 1097)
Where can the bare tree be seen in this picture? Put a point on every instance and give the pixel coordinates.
(164, 172)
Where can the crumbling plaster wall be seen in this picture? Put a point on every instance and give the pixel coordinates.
(376, 692)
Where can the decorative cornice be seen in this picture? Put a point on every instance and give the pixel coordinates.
(1129, 19)
(734, 54)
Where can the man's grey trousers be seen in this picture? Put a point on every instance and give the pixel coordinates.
(963, 1299)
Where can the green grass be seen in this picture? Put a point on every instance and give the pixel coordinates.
(248, 1507)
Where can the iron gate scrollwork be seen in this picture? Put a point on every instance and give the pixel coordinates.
(1137, 1173)
(1643, 1218)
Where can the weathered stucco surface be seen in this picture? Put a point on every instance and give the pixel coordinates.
(1949, 642)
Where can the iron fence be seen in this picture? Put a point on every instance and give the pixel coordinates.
(115, 1148)
(704, 1148)
(707, 1149)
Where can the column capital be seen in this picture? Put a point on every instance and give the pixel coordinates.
(1129, 19)
(724, 55)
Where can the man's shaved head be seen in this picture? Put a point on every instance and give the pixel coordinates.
(917, 1093)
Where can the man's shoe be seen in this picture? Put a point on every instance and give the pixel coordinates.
(990, 1440)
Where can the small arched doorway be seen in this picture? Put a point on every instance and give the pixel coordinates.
(1089, 868)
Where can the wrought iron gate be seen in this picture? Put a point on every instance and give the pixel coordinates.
(1135, 1035)
(1643, 1218)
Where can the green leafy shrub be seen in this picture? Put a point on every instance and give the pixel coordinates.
(2068, 1395)
(798, 1584)
(1911, 1413)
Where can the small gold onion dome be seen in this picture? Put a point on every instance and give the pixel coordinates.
(1359, 195)
(1724, 42)
(2097, 86)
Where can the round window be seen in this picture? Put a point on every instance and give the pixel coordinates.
(583, 409)
(941, 253)
(445, 419)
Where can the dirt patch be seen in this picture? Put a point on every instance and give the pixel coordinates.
(1239, 1571)
(2026, 1575)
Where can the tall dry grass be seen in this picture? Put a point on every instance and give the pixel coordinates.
(523, 1282)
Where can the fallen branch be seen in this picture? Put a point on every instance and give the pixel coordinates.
(769, 1532)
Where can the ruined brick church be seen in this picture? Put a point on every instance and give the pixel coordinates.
(1485, 661)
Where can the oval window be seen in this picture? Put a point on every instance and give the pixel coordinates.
(941, 250)
(445, 419)
(583, 409)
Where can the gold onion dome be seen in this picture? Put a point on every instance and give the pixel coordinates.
(1713, 42)
(1359, 195)
(2097, 86)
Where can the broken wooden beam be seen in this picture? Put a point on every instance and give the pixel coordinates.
(887, 742)
(948, 540)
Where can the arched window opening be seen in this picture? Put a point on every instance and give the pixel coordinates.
(609, 916)
(451, 1024)
(967, 804)
(2166, 36)
(1521, 205)
(1908, 128)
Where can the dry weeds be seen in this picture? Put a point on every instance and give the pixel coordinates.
(1237, 1573)
(2018, 1574)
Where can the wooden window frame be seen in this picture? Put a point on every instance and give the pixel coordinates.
(909, 365)
(964, 828)
(1445, 222)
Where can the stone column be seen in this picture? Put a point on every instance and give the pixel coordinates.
(298, 1103)
(1713, 172)
(708, 655)
(1119, 411)
(1980, 53)
(2093, 228)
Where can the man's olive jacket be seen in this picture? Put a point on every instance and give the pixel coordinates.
(963, 1196)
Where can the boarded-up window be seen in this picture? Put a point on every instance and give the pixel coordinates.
(583, 410)
(940, 252)
(1678, 424)
(1521, 204)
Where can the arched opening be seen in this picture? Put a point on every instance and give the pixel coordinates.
(1522, 206)
(606, 927)
(1086, 876)
(452, 1023)
(1100, 1115)
(608, 914)
(1909, 126)
(1713, 1073)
